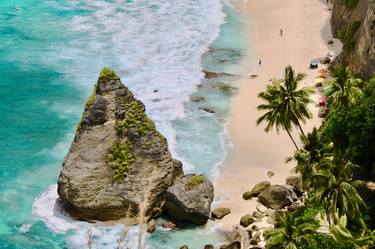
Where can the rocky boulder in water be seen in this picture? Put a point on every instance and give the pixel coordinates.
(189, 199)
(117, 160)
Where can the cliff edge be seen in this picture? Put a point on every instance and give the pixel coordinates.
(353, 22)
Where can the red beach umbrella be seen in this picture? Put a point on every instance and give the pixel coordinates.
(322, 100)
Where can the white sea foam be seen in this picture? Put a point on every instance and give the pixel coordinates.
(153, 45)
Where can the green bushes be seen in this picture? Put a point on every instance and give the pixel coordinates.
(324, 241)
(194, 181)
(120, 158)
(107, 74)
(350, 3)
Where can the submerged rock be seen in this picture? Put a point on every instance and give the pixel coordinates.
(117, 160)
(189, 199)
(210, 75)
(151, 226)
(169, 225)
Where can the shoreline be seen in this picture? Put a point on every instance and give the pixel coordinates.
(306, 30)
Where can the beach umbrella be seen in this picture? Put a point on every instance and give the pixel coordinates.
(319, 80)
(323, 71)
(322, 100)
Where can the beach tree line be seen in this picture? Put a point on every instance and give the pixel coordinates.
(336, 161)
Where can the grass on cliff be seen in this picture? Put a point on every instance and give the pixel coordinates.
(137, 119)
(120, 158)
(350, 3)
(194, 181)
(107, 74)
(347, 35)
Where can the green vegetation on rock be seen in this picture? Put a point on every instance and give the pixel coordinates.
(107, 74)
(347, 35)
(136, 118)
(350, 3)
(121, 158)
(90, 100)
(195, 181)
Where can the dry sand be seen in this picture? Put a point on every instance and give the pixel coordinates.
(306, 30)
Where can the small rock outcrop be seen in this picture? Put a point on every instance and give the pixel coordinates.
(258, 188)
(247, 220)
(189, 199)
(232, 245)
(277, 196)
(151, 226)
(219, 213)
(117, 160)
(294, 181)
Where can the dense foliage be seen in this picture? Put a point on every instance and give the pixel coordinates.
(334, 163)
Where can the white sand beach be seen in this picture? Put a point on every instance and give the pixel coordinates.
(306, 30)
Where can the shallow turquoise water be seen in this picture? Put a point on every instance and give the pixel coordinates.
(50, 55)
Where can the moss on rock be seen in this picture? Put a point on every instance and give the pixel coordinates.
(107, 74)
(120, 157)
(194, 181)
(137, 120)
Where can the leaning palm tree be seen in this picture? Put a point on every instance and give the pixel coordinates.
(345, 87)
(291, 232)
(315, 155)
(286, 105)
(338, 191)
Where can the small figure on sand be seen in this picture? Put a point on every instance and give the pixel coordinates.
(281, 32)
(259, 62)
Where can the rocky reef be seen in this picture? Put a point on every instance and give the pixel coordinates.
(118, 160)
(353, 22)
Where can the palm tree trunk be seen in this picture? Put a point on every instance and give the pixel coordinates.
(300, 128)
(294, 142)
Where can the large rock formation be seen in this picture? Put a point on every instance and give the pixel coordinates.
(190, 199)
(277, 196)
(117, 159)
(355, 27)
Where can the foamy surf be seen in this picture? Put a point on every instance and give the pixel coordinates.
(157, 48)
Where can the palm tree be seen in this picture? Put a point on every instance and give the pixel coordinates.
(291, 232)
(295, 101)
(364, 240)
(285, 104)
(344, 87)
(315, 155)
(339, 192)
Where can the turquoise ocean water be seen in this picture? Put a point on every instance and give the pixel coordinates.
(51, 52)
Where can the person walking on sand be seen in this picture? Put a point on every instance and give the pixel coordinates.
(281, 32)
(259, 62)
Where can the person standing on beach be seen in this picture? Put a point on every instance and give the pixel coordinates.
(259, 62)
(281, 32)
